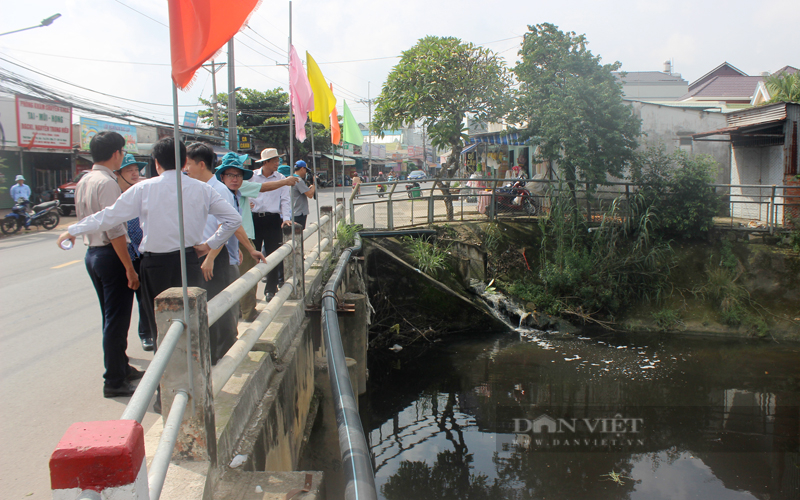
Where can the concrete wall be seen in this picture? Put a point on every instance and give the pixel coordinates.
(666, 125)
(756, 165)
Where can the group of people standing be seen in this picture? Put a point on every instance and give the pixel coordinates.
(232, 219)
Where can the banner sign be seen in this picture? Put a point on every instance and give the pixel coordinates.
(189, 120)
(43, 124)
(90, 128)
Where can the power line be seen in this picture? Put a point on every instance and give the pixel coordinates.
(142, 13)
(282, 51)
(86, 58)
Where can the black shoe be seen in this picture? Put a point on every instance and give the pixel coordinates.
(269, 297)
(125, 390)
(133, 374)
(147, 344)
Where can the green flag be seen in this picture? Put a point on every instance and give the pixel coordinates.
(351, 133)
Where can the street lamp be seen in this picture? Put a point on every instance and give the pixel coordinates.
(45, 22)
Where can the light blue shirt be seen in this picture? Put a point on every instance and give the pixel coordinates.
(22, 191)
(212, 223)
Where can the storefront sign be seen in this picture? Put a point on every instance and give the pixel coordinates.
(43, 124)
(245, 142)
(8, 122)
(90, 128)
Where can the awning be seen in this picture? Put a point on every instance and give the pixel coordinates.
(740, 130)
(347, 161)
(469, 148)
(510, 139)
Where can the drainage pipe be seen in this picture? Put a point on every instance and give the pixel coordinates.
(356, 462)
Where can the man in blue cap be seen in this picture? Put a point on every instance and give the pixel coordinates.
(302, 193)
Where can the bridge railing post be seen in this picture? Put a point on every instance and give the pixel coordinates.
(326, 229)
(293, 265)
(197, 439)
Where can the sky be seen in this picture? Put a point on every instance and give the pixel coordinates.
(121, 47)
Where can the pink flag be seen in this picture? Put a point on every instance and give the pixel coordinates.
(301, 95)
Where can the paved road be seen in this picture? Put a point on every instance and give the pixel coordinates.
(51, 359)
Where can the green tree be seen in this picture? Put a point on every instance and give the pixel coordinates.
(784, 87)
(571, 106)
(265, 116)
(679, 188)
(439, 80)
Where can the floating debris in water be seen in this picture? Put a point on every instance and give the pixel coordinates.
(237, 461)
(396, 348)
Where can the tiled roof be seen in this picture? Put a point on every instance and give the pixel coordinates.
(786, 69)
(726, 86)
(632, 77)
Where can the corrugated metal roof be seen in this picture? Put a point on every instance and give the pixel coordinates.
(733, 129)
(761, 114)
(632, 77)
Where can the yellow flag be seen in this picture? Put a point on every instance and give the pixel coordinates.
(324, 102)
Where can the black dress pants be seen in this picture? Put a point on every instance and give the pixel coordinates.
(116, 300)
(144, 325)
(267, 228)
(222, 334)
(160, 271)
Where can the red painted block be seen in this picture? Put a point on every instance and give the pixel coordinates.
(98, 455)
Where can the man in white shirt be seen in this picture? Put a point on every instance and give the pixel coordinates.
(271, 211)
(154, 201)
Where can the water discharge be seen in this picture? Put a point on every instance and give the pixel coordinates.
(529, 415)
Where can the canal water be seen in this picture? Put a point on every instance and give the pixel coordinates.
(614, 417)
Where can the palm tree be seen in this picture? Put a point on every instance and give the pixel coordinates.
(784, 87)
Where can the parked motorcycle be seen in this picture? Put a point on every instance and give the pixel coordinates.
(515, 197)
(45, 215)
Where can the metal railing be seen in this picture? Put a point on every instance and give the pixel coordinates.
(227, 365)
(772, 206)
(356, 460)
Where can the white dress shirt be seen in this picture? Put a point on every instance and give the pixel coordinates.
(212, 223)
(277, 201)
(155, 202)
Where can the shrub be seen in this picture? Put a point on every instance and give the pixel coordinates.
(678, 187)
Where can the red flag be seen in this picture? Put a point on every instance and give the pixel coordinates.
(336, 134)
(198, 29)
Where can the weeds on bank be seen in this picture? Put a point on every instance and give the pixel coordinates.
(730, 297)
(597, 272)
(346, 233)
(430, 258)
(667, 319)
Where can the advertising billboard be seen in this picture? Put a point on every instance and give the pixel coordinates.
(91, 127)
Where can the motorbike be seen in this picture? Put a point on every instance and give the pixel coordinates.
(413, 190)
(380, 188)
(515, 197)
(45, 215)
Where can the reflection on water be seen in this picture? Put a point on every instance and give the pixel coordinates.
(637, 417)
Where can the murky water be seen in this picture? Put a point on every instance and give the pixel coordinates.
(634, 417)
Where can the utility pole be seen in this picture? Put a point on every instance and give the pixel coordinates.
(232, 135)
(214, 68)
(369, 129)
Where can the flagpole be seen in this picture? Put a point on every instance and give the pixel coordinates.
(313, 180)
(182, 249)
(291, 115)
